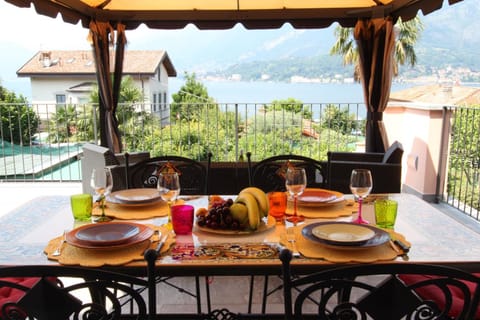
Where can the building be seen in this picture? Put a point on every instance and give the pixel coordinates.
(68, 77)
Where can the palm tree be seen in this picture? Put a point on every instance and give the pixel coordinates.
(407, 35)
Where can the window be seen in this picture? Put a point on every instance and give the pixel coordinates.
(155, 102)
(165, 100)
(60, 99)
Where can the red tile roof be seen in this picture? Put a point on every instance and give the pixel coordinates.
(81, 62)
(454, 95)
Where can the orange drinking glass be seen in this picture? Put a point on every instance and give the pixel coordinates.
(278, 205)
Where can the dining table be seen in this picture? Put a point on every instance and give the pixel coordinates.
(31, 232)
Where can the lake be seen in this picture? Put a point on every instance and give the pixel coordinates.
(264, 92)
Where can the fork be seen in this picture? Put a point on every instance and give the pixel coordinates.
(58, 251)
(293, 242)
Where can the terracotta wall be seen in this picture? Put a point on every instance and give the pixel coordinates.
(419, 129)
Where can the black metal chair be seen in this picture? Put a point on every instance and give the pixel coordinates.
(381, 291)
(269, 174)
(193, 174)
(63, 292)
(386, 169)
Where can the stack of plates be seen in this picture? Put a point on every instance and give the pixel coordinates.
(345, 235)
(319, 197)
(135, 197)
(108, 235)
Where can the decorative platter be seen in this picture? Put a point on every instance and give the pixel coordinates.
(264, 226)
(345, 235)
(135, 197)
(108, 235)
(319, 197)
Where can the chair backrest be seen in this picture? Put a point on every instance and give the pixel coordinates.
(386, 169)
(63, 292)
(193, 174)
(268, 174)
(95, 156)
(381, 291)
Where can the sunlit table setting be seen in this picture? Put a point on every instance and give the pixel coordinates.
(33, 231)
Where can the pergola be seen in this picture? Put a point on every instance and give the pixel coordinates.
(373, 21)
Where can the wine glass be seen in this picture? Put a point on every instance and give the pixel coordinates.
(361, 184)
(169, 188)
(102, 183)
(295, 182)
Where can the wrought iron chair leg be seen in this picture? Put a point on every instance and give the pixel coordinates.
(250, 294)
(207, 289)
(199, 298)
(265, 294)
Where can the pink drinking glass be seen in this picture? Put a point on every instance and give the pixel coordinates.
(182, 218)
(361, 184)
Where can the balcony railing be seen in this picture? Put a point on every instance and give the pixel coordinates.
(226, 130)
(463, 181)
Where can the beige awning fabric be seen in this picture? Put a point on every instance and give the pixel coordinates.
(103, 36)
(375, 41)
(224, 14)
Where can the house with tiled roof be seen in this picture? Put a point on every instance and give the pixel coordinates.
(68, 77)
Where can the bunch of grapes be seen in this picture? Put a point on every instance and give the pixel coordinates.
(219, 217)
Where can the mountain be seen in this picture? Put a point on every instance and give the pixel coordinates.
(450, 38)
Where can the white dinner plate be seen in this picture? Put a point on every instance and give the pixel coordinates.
(345, 235)
(140, 196)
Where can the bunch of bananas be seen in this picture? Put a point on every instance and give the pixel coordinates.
(250, 206)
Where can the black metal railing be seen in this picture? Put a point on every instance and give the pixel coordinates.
(47, 145)
(463, 183)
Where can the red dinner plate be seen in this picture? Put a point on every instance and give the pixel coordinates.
(108, 235)
(313, 197)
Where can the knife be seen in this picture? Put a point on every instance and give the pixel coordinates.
(402, 245)
(161, 243)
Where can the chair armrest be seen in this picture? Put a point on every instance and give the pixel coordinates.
(355, 156)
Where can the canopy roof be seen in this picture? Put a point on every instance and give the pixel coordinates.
(224, 14)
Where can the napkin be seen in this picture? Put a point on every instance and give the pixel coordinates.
(312, 249)
(341, 209)
(125, 212)
(72, 255)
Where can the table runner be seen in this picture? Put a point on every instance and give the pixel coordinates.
(311, 249)
(71, 255)
(120, 212)
(224, 251)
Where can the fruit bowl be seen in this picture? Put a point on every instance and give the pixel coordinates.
(246, 214)
(263, 226)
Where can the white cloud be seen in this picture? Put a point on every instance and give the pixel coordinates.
(270, 45)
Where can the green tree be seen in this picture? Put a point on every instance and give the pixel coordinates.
(408, 34)
(19, 122)
(63, 123)
(340, 120)
(189, 101)
(290, 105)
